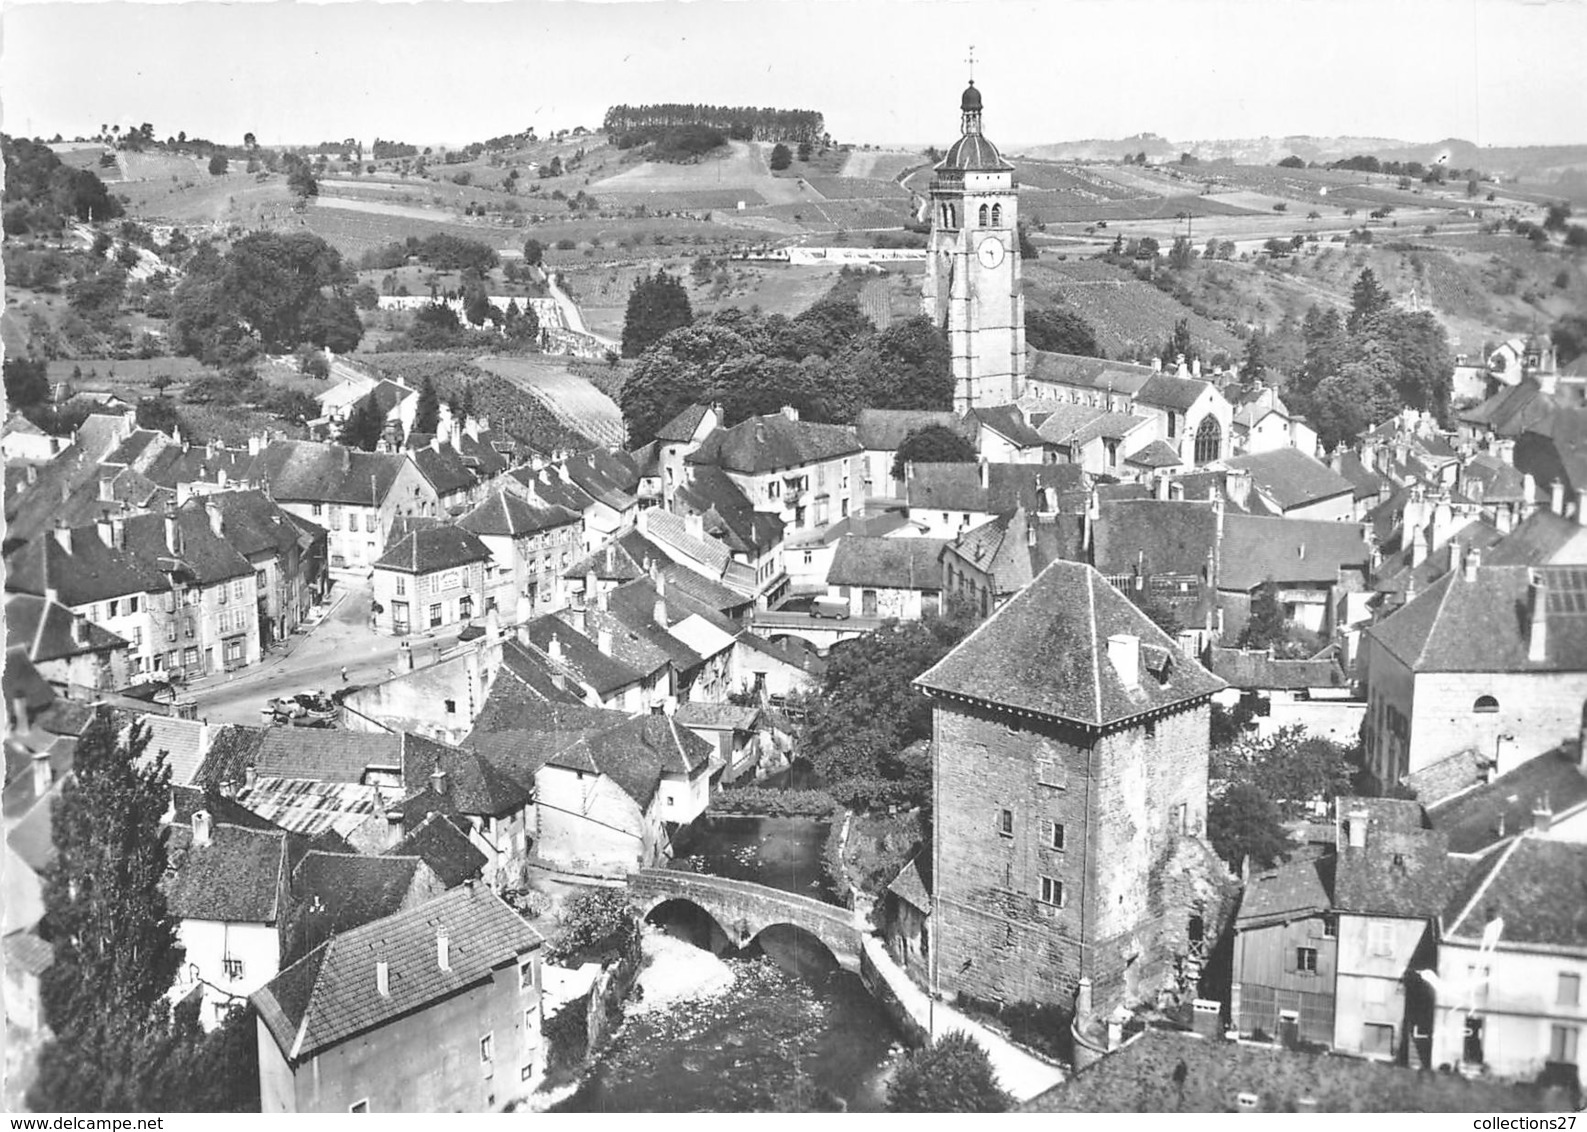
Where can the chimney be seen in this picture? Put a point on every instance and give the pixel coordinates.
(661, 610)
(603, 600)
(471, 427)
(1124, 654)
(405, 651)
(1162, 487)
(1157, 365)
(1356, 825)
(19, 715)
(107, 491)
(1528, 495)
(1557, 498)
(986, 474)
(1176, 491)
(1195, 369)
(1537, 606)
(345, 457)
(79, 629)
(63, 535)
(1581, 506)
(443, 950)
(555, 651)
(1542, 815)
(106, 534)
(217, 521)
(438, 780)
(202, 824)
(492, 625)
(254, 445)
(1471, 564)
(603, 641)
(250, 777)
(695, 526)
(588, 595)
(435, 443)
(383, 978)
(790, 412)
(173, 534)
(559, 680)
(1418, 547)
(580, 620)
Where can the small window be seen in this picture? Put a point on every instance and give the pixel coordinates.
(1151, 728)
(487, 1047)
(981, 216)
(1485, 705)
(451, 707)
(1052, 892)
(1330, 928)
(359, 1106)
(1569, 990)
(1377, 1039)
(526, 975)
(232, 967)
(1005, 823)
(1054, 838)
(997, 216)
(1380, 939)
(1306, 960)
(1562, 1044)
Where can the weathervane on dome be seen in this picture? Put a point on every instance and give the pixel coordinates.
(971, 61)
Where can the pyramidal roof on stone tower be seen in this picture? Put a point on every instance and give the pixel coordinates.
(973, 151)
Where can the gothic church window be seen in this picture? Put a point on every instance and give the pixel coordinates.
(1209, 440)
(982, 216)
(997, 216)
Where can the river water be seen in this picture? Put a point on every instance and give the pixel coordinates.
(775, 1027)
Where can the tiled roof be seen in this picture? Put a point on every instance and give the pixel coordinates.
(789, 650)
(1564, 436)
(1088, 373)
(550, 487)
(89, 572)
(957, 487)
(444, 467)
(1169, 392)
(1057, 421)
(325, 754)
(447, 851)
(387, 395)
(637, 637)
(253, 524)
(1512, 410)
(330, 995)
(1364, 482)
(1541, 539)
(1015, 547)
(1287, 892)
(888, 563)
(237, 878)
(183, 741)
(1483, 625)
(726, 513)
(671, 533)
(1395, 573)
(310, 472)
(773, 442)
(1488, 480)
(23, 682)
(717, 717)
(1157, 454)
(1291, 478)
(1537, 885)
(604, 476)
(611, 562)
(1140, 1077)
(333, 893)
(311, 807)
(1046, 651)
(681, 428)
(703, 592)
(1109, 426)
(1256, 548)
(910, 886)
(1259, 670)
(636, 753)
(428, 549)
(26, 952)
(1154, 536)
(1441, 780)
(46, 630)
(579, 656)
(1006, 420)
(883, 430)
(1400, 872)
(232, 749)
(1477, 818)
(473, 785)
(506, 515)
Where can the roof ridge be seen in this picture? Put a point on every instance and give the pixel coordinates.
(1498, 867)
(1096, 648)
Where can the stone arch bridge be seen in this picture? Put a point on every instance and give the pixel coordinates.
(822, 632)
(743, 909)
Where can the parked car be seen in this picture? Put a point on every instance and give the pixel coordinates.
(834, 608)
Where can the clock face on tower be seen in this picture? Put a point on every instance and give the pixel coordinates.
(990, 252)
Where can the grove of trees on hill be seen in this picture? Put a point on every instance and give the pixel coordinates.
(42, 194)
(829, 362)
(741, 123)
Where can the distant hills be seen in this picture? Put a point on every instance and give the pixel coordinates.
(1541, 162)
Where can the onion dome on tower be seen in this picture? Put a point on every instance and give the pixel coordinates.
(972, 150)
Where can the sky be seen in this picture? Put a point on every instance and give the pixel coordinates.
(1496, 72)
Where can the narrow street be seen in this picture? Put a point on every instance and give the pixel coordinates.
(312, 660)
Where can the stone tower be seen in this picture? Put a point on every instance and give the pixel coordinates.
(972, 287)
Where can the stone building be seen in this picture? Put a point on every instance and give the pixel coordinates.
(1070, 769)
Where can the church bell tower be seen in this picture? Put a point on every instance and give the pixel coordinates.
(972, 287)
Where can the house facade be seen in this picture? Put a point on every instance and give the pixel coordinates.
(530, 548)
(432, 578)
(808, 475)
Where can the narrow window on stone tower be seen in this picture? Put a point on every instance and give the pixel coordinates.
(982, 216)
(997, 216)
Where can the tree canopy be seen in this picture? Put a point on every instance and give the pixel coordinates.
(1266, 625)
(27, 382)
(954, 1074)
(781, 157)
(933, 444)
(363, 427)
(427, 412)
(657, 304)
(1242, 823)
(1060, 331)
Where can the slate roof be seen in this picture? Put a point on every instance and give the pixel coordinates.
(1536, 884)
(888, 563)
(1046, 651)
(957, 487)
(443, 466)
(1483, 625)
(636, 753)
(237, 878)
(681, 428)
(428, 549)
(883, 430)
(1256, 548)
(45, 630)
(1291, 478)
(579, 656)
(448, 852)
(311, 472)
(972, 151)
(329, 995)
(505, 515)
(773, 442)
(89, 572)
(1289, 892)
(1139, 1077)
(1154, 536)
(1157, 454)
(1485, 815)
(1259, 670)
